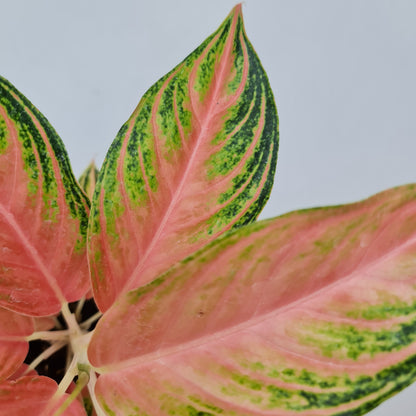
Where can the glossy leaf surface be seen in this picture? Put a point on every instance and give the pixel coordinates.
(311, 313)
(43, 213)
(13, 346)
(33, 396)
(197, 158)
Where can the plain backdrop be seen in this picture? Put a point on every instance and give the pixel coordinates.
(343, 74)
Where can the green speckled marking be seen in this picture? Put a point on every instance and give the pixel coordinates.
(307, 378)
(224, 161)
(19, 108)
(191, 411)
(325, 247)
(177, 139)
(4, 143)
(107, 409)
(88, 179)
(246, 381)
(347, 341)
(207, 67)
(238, 53)
(336, 390)
(382, 311)
(167, 124)
(112, 199)
(280, 383)
(31, 141)
(208, 406)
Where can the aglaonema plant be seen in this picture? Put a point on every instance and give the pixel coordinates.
(201, 310)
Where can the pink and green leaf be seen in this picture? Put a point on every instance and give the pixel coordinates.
(43, 213)
(14, 329)
(34, 396)
(311, 313)
(88, 179)
(196, 159)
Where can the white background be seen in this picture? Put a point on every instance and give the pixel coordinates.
(343, 74)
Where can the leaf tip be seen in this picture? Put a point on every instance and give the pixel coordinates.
(88, 179)
(236, 12)
(236, 17)
(237, 9)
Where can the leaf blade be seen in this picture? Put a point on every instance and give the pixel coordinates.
(34, 395)
(43, 213)
(88, 179)
(14, 329)
(313, 312)
(196, 159)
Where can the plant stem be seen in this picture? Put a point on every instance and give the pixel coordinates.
(91, 390)
(57, 323)
(71, 372)
(70, 319)
(87, 323)
(45, 355)
(49, 335)
(69, 355)
(78, 310)
(82, 381)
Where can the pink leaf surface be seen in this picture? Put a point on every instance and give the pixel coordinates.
(43, 213)
(23, 370)
(34, 396)
(14, 328)
(311, 313)
(196, 159)
(44, 323)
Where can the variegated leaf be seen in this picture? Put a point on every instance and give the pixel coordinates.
(14, 329)
(43, 213)
(312, 313)
(196, 158)
(34, 396)
(88, 179)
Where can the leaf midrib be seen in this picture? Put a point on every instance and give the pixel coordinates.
(178, 191)
(209, 338)
(33, 253)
